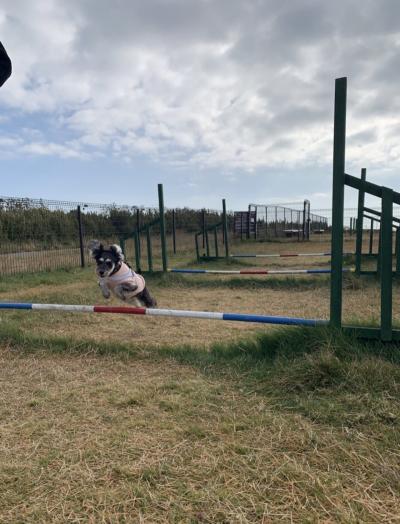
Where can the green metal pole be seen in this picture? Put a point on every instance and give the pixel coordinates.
(386, 264)
(174, 231)
(360, 225)
(137, 251)
(162, 228)
(398, 252)
(379, 261)
(216, 242)
(203, 225)
(138, 226)
(80, 229)
(207, 244)
(196, 242)
(339, 152)
(225, 227)
(371, 237)
(149, 250)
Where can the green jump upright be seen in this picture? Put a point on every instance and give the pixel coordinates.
(386, 264)
(360, 222)
(339, 151)
(213, 229)
(164, 253)
(146, 229)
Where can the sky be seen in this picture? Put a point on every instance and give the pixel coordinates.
(213, 98)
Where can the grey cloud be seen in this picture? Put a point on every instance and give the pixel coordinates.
(224, 83)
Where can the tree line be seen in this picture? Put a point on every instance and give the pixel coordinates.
(22, 222)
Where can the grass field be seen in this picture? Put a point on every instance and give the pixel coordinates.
(114, 419)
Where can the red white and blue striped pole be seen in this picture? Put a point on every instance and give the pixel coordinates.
(256, 271)
(267, 255)
(236, 317)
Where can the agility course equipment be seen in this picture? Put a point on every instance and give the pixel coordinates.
(366, 212)
(205, 315)
(385, 331)
(147, 230)
(256, 271)
(223, 225)
(388, 197)
(278, 255)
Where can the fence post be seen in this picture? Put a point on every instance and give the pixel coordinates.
(162, 228)
(149, 250)
(216, 242)
(359, 223)
(339, 154)
(371, 237)
(225, 227)
(174, 231)
(138, 225)
(203, 225)
(378, 262)
(137, 251)
(398, 252)
(386, 263)
(298, 226)
(82, 251)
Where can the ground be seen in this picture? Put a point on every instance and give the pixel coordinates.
(114, 419)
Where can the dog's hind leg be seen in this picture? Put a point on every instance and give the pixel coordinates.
(147, 299)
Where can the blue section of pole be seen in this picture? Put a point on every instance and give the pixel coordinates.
(274, 320)
(15, 305)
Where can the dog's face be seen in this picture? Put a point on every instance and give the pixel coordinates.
(107, 258)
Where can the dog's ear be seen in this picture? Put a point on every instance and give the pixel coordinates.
(117, 251)
(95, 247)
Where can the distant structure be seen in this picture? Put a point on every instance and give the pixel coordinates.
(262, 222)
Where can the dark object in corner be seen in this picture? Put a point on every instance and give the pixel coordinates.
(5, 65)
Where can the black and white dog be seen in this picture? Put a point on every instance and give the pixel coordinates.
(116, 276)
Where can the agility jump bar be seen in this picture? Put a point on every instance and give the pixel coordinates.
(256, 271)
(236, 317)
(268, 255)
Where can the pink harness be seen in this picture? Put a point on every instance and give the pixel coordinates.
(123, 276)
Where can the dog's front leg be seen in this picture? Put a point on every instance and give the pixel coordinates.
(104, 289)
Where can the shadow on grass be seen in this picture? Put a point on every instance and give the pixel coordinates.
(319, 373)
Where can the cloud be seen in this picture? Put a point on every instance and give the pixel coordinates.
(230, 85)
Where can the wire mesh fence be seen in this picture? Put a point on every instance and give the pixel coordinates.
(40, 235)
(37, 234)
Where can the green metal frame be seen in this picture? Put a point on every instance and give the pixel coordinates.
(213, 229)
(388, 197)
(147, 230)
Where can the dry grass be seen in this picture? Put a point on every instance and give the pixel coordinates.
(91, 439)
(140, 438)
(361, 303)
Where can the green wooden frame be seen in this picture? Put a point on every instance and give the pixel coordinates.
(385, 331)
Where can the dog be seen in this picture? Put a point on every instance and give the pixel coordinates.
(117, 277)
